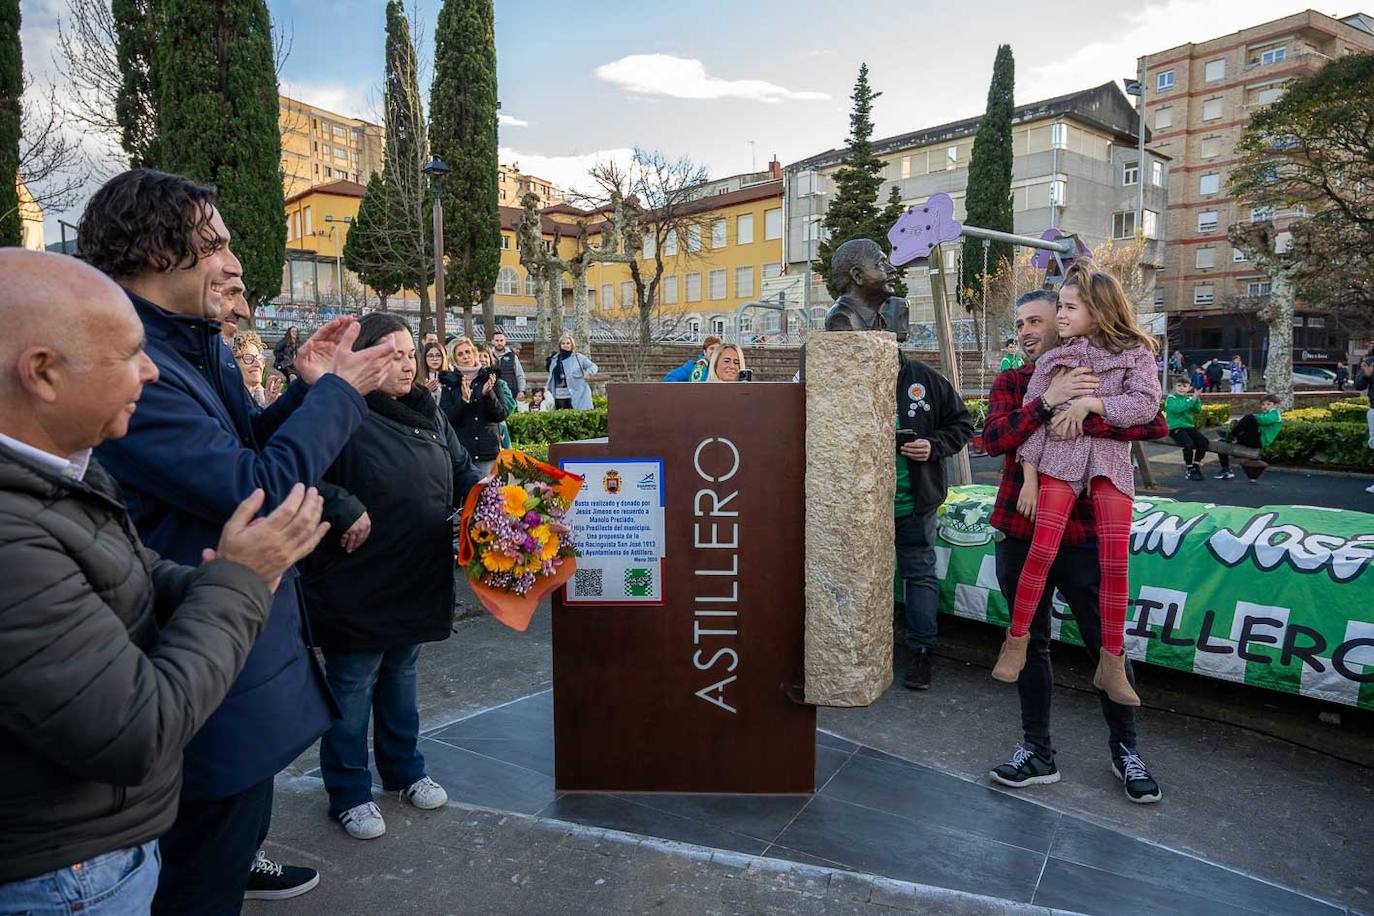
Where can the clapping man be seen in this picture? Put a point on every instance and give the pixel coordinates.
(197, 447)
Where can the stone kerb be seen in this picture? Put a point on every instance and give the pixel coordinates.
(851, 385)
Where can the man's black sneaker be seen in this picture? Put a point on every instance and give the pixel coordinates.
(1225, 474)
(1193, 473)
(918, 672)
(269, 881)
(1130, 769)
(1025, 768)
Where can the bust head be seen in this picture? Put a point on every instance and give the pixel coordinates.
(861, 269)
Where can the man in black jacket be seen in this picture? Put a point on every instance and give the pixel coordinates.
(939, 425)
(110, 657)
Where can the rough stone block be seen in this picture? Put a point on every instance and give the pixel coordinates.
(851, 405)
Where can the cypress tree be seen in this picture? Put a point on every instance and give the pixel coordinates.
(462, 111)
(988, 204)
(136, 27)
(853, 213)
(11, 88)
(218, 102)
(367, 252)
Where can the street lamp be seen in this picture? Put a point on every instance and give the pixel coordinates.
(436, 169)
(338, 258)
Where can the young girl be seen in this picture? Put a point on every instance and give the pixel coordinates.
(1097, 329)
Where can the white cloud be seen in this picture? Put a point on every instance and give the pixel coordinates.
(347, 99)
(505, 120)
(686, 78)
(566, 172)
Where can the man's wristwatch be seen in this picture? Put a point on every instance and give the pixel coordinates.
(1045, 407)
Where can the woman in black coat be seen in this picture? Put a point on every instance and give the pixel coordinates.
(386, 585)
(284, 353)
(472, 402)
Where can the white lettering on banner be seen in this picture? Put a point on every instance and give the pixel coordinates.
(707, 622)
(1161, 533)
(1270, 545)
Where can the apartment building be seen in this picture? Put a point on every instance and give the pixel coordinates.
(1199, 98)
(1076, 166)
(512, 184)
(320, 146)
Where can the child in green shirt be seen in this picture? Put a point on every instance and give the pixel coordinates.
(1255, 430)
(1182, 409)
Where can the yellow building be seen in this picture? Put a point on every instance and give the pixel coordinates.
(30, 218)
(511, 185)
(317, 223)
(320, 146)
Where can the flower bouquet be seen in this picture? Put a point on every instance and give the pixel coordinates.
(514, 544)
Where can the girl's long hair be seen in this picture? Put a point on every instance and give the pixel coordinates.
(425, 371)
(1102, 294)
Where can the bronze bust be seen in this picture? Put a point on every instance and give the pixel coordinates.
(863, 274)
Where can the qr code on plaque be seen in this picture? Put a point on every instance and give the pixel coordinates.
(588, 583)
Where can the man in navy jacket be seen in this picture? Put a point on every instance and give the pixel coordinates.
(195, 449)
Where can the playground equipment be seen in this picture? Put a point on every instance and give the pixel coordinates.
(918, 235)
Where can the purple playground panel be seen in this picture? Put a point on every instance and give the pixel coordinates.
(920, 229)
(1043, 258)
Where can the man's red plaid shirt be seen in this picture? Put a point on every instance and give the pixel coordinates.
(1010, 423)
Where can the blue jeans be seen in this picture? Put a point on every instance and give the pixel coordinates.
(379, 685)
(119, 883)
(915, 538)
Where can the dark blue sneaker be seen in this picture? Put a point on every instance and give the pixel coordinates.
(1141, 787)
(1026, 768)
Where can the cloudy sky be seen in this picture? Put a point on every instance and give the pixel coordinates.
(729, 84)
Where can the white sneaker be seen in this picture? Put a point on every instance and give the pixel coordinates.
(363, 822)
(1369, 489)
(425, 794)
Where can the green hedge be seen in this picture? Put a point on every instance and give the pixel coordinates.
(1308, 442)
(1214, 415)
(533, 432)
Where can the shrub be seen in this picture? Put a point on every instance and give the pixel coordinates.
(1308, 442)
(1349, 411)
(1308, 415)
(978, 410)
(533, 432)
(1214, 415)
(599, 401)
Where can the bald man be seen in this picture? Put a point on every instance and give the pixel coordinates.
(111, 657)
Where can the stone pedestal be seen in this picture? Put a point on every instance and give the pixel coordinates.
(851, 391)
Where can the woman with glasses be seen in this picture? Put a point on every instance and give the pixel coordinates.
(248, 350)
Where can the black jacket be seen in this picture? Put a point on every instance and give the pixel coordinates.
(96, 700)
(1364, 382)
(406, 468)
(928, 404)
(477, 422)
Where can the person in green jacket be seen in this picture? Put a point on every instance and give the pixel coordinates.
(1011, 359)
(1254, 430)
(1182, 409)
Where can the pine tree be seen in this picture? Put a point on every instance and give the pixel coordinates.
(136, 28)
(988, 204)
(11, 88)
(367, 252)
(853, 212)
(462, 110)
(886, 220)
(218, 101)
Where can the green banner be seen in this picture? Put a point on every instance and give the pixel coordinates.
(1279, 597)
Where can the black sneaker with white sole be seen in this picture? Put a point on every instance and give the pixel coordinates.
(1025, 768)
(268, 880)
(1141, 787)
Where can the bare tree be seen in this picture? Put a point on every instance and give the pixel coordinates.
(541, 259)
(622, 329)
(51, 164)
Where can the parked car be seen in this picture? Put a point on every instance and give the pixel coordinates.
(1313, 377)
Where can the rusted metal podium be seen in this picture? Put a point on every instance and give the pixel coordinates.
(692, 695)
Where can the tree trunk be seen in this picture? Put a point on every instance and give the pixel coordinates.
(582, 317)
(467, 319)
(555, 311)
(489, 316)
(426, 315)
(1278, 315)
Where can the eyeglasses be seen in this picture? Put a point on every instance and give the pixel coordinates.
(249, 359)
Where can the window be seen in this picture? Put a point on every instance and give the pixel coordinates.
(1130, 174)
(772, 223)
(670, 289)
(1123, 225)
(1206, 258)
(1209, 184)
(1207, 221)
(1274, 56)
(718, 325)
(810, 182)
(744, 229)
(1164, 117)
(744, 282)
(508, 282)
(717, 281)
(951, 157)
(1059, 192)
(717, 233)
(1164, 81)
(309, 223)
(670, 244)
(650, 247)
(1238, 255)
(1211, 109)
(1157, 174)
(1283, 242)
(813, 229)
(1210, 148)
(627, 294)
(1261, 214)
(328, 173)
(693, 238)
(1059, 136)
(607, 296)
(1204, 294)
(531, 285)
(289, 227)
(1269, 95)
(1151, 223)
(1214, 70)
(906, 166)
(1316, 321)
(1259, 289)
(694, 287)
(772, 270)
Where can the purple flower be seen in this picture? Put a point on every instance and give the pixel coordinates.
(531, 544)
(532, 518)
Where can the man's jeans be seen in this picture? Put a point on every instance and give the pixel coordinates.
(1076, 574)
(915, 538)
(379, 686)
(119, 883)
